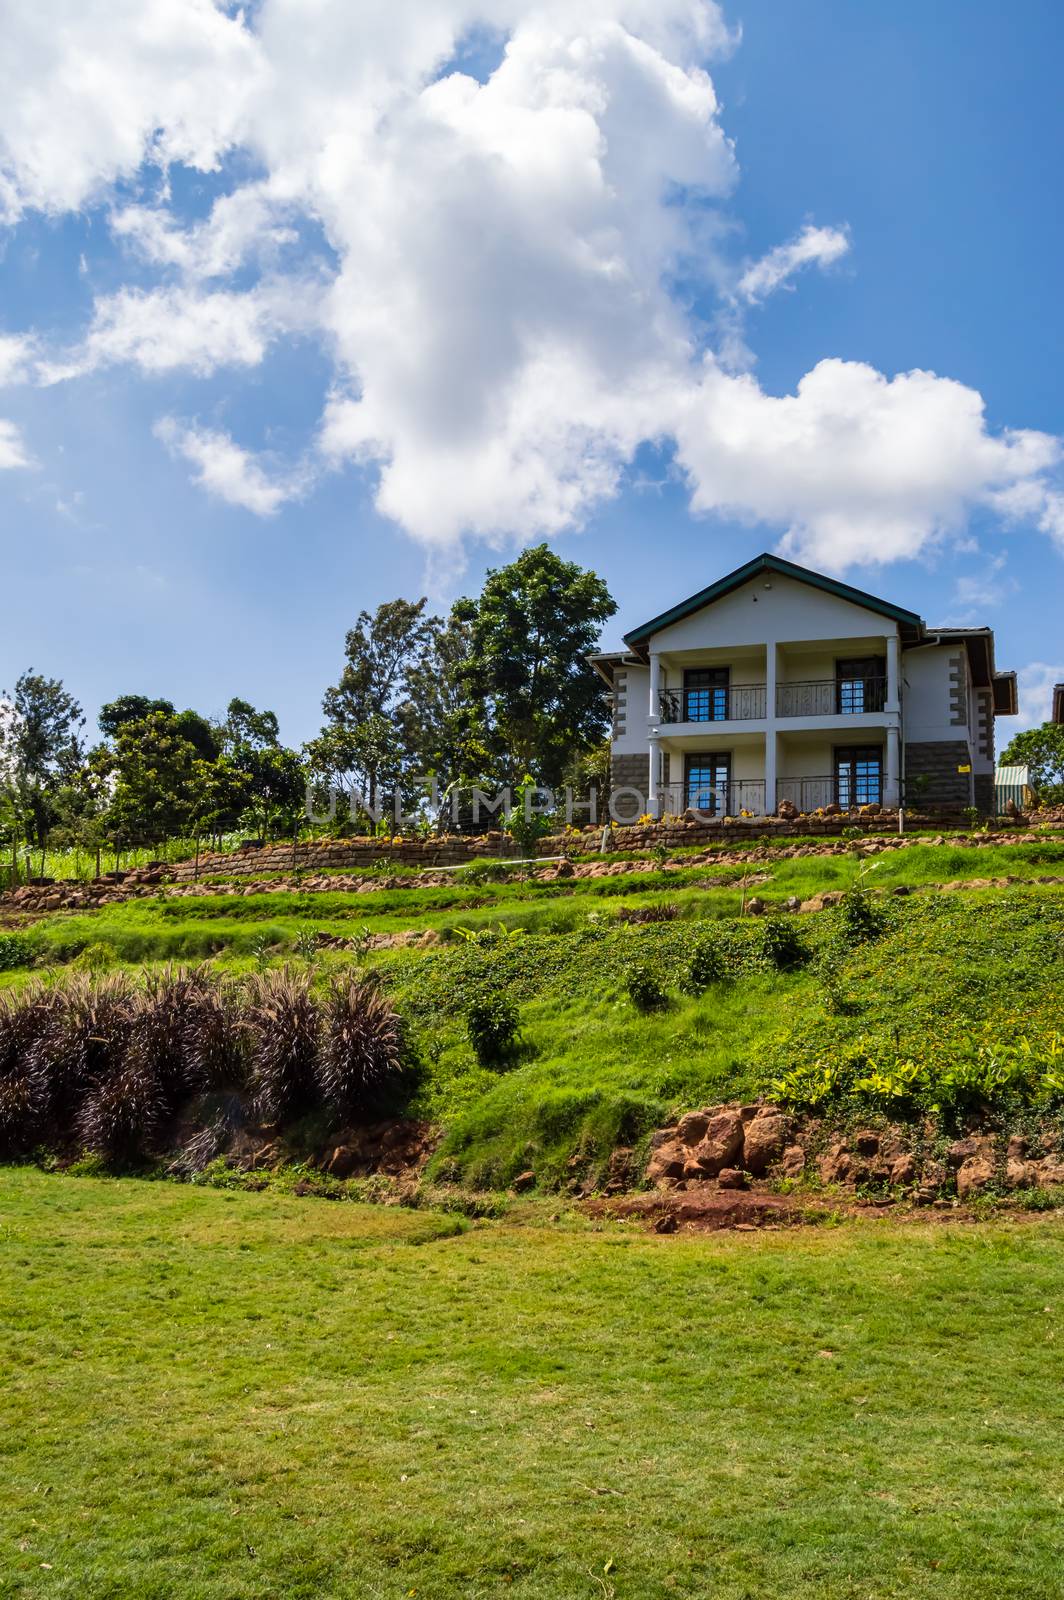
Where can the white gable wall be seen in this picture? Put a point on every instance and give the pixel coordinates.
(784, 611)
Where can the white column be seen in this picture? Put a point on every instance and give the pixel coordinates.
(892, 775)
(654, 736)
(893, 675)
(771, 676)
(770, 770)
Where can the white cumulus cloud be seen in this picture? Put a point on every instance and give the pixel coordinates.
(91, 88)
(499, 268)
(856, 467)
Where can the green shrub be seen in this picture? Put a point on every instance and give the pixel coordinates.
(100, 956)
(705, 967)
(859, 919)
(484, 872)
(782, 945)
(645, 989)
(492, 1022)
(16, 951)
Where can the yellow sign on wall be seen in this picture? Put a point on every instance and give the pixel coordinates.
(964, 769)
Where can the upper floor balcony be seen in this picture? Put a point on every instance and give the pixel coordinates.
(848, 694)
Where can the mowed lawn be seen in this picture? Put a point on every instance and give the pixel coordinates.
(209, 1394)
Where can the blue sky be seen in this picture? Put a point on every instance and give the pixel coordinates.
(924, 141)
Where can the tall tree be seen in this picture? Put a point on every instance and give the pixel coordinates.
(531, 631)
(365, 745)
(130, 708)
(40, 750)
(443, 725)
(380, 650)
(152, 767)
(276, 780)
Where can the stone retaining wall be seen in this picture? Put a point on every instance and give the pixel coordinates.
(339, 855)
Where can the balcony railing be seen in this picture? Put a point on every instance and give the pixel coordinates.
(738, 702)
(845, 790)
(715, 800)
(831, 697)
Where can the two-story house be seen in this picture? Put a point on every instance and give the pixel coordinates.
(778, 683)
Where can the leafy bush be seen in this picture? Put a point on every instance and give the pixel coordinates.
(16, 951)
(859, 918)
(1004, 1074)
(492, 1022)
(361, 1047)
(100, 956)
(283, 1025)
(706, 966)
(782, 945)
(484, 872)
(645, 989)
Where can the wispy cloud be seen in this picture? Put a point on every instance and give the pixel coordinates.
(226, 470)
(13, 452)
(812, 247)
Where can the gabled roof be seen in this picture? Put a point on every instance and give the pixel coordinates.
(785, 569)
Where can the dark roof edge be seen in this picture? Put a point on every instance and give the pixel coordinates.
(786, 569)
(1006, 694)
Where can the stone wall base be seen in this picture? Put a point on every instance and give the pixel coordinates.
(630, 772)
(938, 761)
(984, 792)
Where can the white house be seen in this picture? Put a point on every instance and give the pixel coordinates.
(779, 684)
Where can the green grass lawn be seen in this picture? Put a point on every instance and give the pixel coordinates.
(218, 1396)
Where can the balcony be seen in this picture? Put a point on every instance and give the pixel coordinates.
(860, 787)
(736, 702)
(831, 697)
(728, 799)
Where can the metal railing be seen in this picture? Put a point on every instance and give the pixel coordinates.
(831, 697)
(737, 702)
(810, 794)
(714, 800)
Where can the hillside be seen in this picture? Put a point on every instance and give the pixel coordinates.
(847, 982)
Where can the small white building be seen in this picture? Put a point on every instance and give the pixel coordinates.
(780, 684)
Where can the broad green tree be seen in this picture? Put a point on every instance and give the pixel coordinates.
(366, 743)
(276, 777)
(152, 767)
(531, 632)
(40, 751)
